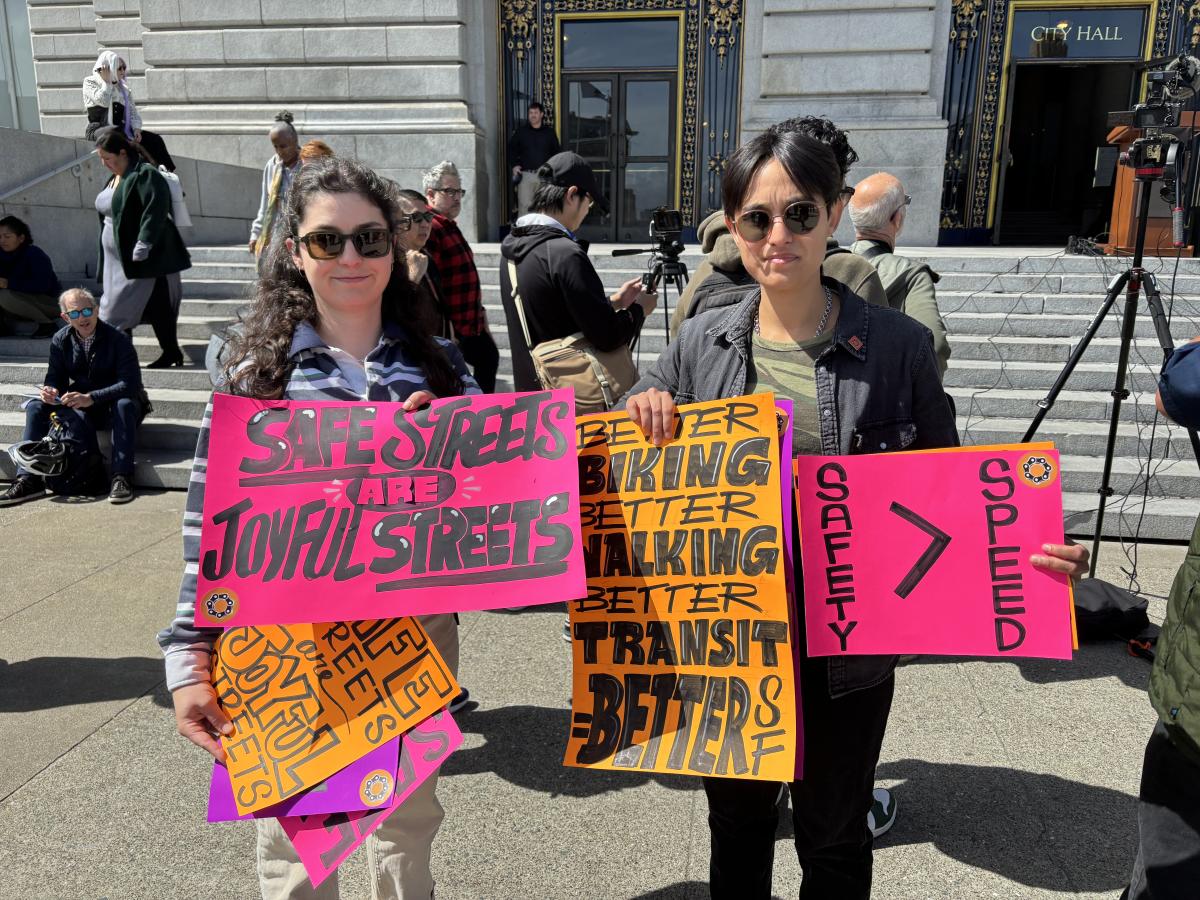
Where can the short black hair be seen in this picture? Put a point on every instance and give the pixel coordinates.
(821, 129)
(535, 104)
(548, 198)
(17, 227)
(811, 165)
(413, 196)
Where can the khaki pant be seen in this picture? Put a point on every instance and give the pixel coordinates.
(40, 308)
(398, 851)
(526, 188)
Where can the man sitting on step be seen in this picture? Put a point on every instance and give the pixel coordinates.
(93, 382)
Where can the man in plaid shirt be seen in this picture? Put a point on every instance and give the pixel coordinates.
(458, 279)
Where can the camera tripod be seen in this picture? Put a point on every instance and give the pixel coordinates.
(1131, 281)
(668, 270)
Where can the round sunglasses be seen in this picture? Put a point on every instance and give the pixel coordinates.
(371, 243)
(73, 314)
(800, 217)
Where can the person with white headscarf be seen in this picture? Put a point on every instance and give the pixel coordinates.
(108, 100)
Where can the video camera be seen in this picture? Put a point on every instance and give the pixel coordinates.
(1158, 153)
(666, 231)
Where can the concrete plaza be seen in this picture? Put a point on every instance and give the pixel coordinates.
(1013, 780)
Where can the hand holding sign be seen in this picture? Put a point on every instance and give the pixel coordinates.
(946, 559)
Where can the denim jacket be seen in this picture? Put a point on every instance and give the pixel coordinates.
(878, 391)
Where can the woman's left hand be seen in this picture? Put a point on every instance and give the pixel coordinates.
(1065, 559)
(416, 400)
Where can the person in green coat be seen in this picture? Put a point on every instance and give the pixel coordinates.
(1167, 866)
(141, 252)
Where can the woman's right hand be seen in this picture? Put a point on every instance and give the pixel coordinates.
(654, 412)
(253, 244)
(198, 716)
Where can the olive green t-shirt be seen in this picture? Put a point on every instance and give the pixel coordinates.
(786, 368)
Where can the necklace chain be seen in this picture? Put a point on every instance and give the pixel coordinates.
(820, 325)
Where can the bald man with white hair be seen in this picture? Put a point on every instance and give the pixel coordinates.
(877, 211)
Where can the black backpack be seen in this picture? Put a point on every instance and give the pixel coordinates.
(1105, 612)
(63, 462)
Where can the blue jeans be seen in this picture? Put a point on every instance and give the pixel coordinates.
(122, 417)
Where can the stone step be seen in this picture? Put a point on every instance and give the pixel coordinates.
(982, 374)
(146, 346)
(1159, 518)
(157, 469)
(31, 372)
(1047, 349)
(169, 403)
(1168, 478)
(1080, 438)
(218, 289)
(155, 433)
(1010, 403)
(961, 324)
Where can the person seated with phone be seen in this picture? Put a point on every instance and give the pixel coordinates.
(93, 382)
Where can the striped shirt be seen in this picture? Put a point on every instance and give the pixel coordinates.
(316, 375)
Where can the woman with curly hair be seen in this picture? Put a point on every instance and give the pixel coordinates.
(323, 327)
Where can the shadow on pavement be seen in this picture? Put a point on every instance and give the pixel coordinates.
(1097, 659)
(46, 682)
(525, 746)
(1037, 830)
(683, 890)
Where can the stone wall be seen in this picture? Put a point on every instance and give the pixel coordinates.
(876, 67)
(60, 210)
(386, 81)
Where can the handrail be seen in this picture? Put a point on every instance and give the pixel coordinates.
(76, 164)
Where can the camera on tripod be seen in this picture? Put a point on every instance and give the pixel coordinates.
(666, 233)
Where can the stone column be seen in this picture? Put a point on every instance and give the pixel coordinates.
(876, 68)
(386, 81)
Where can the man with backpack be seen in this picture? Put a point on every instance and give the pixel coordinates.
(1167, 866)
(92, 382)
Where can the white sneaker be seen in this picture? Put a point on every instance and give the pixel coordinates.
(882, 814)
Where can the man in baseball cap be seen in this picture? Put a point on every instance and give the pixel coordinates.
(570, 170)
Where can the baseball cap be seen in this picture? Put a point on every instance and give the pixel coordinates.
(569, 169)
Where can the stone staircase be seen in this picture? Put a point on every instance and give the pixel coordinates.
(1013, 317)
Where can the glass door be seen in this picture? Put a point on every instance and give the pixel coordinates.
(624, 126)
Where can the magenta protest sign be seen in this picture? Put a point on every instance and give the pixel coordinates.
(324, 841)
(929, 553)
(367, 783)
(323, 510)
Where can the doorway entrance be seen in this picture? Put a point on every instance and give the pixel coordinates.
(623, 120)
(1053, 182)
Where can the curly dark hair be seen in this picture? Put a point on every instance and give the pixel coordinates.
(821, 129)
(259, 362)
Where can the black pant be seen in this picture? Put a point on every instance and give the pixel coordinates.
(1168, 860)
(842, 740)
(484, 359)
(162, 315)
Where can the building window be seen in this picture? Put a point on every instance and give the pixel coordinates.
(18, 87)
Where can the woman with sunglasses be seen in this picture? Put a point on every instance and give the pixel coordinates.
(141, 252)
(322, 327)
(430, 307)
(862, 379)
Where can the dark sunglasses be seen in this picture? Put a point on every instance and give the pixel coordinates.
(420, 218)
(371, 243)
(87, 312)
(800, 217)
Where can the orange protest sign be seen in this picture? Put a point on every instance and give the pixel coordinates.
(682, 654)
(308, 700)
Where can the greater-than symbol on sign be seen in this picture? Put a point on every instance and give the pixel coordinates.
(939, 541)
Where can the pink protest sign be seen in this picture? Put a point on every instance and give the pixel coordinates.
(329, 510)
(367, 783)
(324, 841)
(929, 553)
